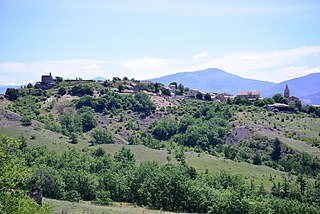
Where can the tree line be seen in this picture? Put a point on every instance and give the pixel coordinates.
(101, 178)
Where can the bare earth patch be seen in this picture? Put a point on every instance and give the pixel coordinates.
(162, 102)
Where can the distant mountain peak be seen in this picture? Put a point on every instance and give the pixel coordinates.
(99, 78)
(217, 80)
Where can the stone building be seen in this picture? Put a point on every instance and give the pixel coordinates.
(46, 79)
(286, 94)
(249, 95)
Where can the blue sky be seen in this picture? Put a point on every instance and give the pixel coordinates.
(270, 40)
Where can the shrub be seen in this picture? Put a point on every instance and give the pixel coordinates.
(73, 196)
(26, 121)
(103, 197)
(62, 91)
(12, 94)
(102, 137)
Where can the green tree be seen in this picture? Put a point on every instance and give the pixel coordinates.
(103, 197)
(23, 141)
(302, 183)
(70, 124)
(73, 195)
(50, 180)
(199, 96)
(29, 85)
(99, 152)
(276, 149)
(146, 105)
(207, 97)
(26, 121)
(62, 91)
(174, 83)
(58, 79)
(166, 91)
(102, 137)
(278, 98)
(13, 171)
(73, 138)
(181, 89)
(285, 188)
(88, 118)
(156, 87)
(164, 129)
(12, 93)
(12, 166)
(240, 100)
(121, 88)
(124, 157)
(81, 90)
(256, 159)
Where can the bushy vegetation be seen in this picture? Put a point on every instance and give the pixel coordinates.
(81, 90)
(102, 137)
(140, 102)
(203, 128)
(83, 121)
(262, 150)
(13, 175)
(101, 178)
(96, 113)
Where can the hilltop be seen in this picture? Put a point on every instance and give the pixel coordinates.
(97, 139)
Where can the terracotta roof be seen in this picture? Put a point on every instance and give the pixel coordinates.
(242, 93)
(255, 93)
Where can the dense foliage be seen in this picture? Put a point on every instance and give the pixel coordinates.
(101, 178)
(13, 175)
(140, 102)
(12, 93)
(203, 128)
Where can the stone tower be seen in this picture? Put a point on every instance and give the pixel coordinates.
(286, 92)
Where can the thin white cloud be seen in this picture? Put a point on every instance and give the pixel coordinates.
(21, 72)
(201, 55)
(92, 67)
(275, 66)
(271, 66)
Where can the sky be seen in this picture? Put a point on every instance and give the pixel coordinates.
(271, 40)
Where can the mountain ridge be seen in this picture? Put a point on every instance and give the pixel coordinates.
(217, 80)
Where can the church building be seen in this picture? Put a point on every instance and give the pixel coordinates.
(286, 94)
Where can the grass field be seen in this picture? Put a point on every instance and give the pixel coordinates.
(259, 174)
(59, 143)
(141, 153)
(65, 207)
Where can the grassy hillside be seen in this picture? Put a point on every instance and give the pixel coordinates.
(62, 207)
(299, 131)
(250, 172)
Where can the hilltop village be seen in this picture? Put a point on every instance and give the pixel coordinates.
(281, 102)
(174, 90)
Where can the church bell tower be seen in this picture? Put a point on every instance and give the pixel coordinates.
(286, 92)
